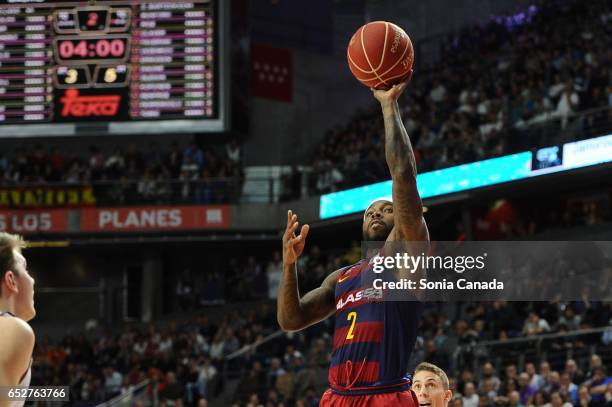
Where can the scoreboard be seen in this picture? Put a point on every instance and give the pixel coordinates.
(112, 67)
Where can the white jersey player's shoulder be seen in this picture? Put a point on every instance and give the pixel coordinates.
(16, 348)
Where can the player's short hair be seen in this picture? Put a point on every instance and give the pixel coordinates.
(8, 243)
(384, 199)
(430, 367)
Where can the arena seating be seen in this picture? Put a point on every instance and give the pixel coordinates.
(180, 174)
(496, 89)
(487, 349)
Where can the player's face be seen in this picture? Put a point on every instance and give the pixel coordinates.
(24, 306)
(430, 390)
(378, 221)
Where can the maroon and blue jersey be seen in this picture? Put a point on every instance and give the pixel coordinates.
(373, 338)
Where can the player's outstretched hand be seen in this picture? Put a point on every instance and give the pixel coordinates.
(392, 94)
(293, 245)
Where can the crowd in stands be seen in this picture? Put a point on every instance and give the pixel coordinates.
(494, 84)
(185, 361)
(521, 218)
(179, 174)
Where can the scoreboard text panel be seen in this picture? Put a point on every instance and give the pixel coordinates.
(108, 61)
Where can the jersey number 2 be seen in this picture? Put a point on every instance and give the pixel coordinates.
(352, 316)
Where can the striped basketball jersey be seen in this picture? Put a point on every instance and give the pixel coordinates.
(373, 338)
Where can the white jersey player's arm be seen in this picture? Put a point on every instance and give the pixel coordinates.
(16, 346)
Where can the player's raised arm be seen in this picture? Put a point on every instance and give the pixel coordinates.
(409, 223)
(295, 313)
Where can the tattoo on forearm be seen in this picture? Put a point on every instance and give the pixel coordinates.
(289, 297)
(398, 149)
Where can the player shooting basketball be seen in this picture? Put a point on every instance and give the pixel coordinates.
(16, 308)
(373, 338)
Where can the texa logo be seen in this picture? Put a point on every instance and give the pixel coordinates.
(87, 106)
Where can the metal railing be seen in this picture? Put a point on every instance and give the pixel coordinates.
(552, 128)
(513, 350)
(244, 351)
(121, 192)
(129, 398)
(495, 350)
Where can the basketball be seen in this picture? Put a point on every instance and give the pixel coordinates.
(380, 54)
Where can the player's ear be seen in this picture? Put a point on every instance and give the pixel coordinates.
(9, 279)
(448, 395)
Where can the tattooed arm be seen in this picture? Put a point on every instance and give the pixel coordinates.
(295, 313)
(409, 233)
(407, 206)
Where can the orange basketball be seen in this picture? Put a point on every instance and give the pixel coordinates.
(380, 54)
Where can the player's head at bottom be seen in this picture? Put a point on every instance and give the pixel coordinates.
(16, 285)
(378, 220)
(431, 385)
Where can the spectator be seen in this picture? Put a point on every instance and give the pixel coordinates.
(570, 319)
(290, 357)
(594, 364)
(488, 373)
(543, 379)
(540, 399)
(436, 356)
(487, 388)
(253, 384)
(233, 151)
(534, 325)
(208, 373)
(584, 396)
(568, 389)
(514, 399)
(274, 371)
(173, 391)
(526, 391)
(329, 178)
(470, 398)
(318, 356)
(511, 372)
(193, 155)
(568, 103)
(184, 291)
(575, 374)
(438, 92)
(112, 382)
(274, 272)
(598, 386)
(217, 348)
(556, 400)
(457, 401)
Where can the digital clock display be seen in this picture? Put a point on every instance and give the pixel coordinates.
(77, 49)
(119, 63)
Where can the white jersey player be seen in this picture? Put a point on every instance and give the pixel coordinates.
(16, 309)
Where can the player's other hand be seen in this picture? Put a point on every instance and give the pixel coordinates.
(293, 245)
(385, 96)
